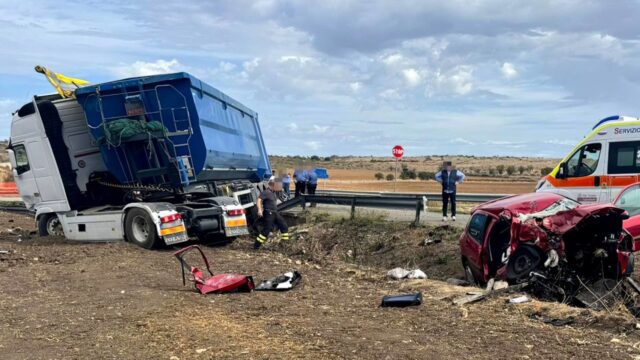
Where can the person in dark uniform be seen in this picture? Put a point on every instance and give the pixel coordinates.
(449, 177)
(268, 210)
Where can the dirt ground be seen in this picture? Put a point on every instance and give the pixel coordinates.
(64, 300)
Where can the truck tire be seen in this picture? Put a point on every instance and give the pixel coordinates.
(49, 225)
(140, 229)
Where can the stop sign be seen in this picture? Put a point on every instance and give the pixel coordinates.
(397, 151)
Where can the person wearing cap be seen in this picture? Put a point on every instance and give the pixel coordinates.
(268, 211)
(449, 178)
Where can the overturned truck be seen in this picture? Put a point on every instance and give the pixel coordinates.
(153, 160)
(565, 251)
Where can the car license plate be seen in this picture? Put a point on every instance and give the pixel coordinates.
(176, 238)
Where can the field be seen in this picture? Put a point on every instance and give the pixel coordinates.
(358, 173)
(64, 300)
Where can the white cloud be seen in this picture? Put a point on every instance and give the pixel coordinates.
(292, 126)
(298, 59)
(460, 140)
(320, 129)
(392, 59)
(457, 81)
(355, 86)
(508, 70)
(390, 94)
(412, 77)
(313, 145)
(142, 68)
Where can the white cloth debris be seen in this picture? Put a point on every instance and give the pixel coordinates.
(499, 284)
(519, 300)
(552, 259)
(400, 273)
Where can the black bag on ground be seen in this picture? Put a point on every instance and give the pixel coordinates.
(402, 300)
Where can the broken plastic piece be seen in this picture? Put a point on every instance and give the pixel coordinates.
(217, 284)
(402, 300)
(400, 273)
(286, 281)
(519, 300)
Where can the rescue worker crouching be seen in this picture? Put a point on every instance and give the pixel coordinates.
(268, 210)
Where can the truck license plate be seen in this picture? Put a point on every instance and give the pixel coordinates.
(236, 231)
(176, 238)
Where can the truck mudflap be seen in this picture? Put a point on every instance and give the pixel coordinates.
(235, 221)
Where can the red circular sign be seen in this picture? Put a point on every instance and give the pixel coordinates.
(398, 151)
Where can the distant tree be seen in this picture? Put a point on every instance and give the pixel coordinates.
(408, 173)
(530, 168)
(379, 176)
(425, 175)
(511, 170)
(390, 177)
(521, 169)
(315, 158)
(328, 158)
(500, 169)
(545, 170)
(492, 171)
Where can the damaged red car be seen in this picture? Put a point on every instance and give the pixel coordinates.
(552, 240)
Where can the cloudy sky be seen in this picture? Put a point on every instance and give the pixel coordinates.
(355, 77)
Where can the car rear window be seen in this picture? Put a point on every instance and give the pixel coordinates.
(477, 226)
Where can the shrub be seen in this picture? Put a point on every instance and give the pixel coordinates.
(511, 170)
(521, 169)
(425, 175)
(545, 170)
(379, 176)
(500, 169)
(390, 177)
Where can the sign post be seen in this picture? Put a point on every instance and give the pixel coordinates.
(397, 152)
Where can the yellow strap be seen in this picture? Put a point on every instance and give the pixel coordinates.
(63, 84)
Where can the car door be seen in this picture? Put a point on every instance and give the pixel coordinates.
(582, 175)
(623, 166)
(472, 243)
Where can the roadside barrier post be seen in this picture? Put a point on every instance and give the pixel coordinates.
(353, 208)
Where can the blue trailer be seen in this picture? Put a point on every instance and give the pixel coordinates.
(149, 159)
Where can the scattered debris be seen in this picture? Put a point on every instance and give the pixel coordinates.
(217, 284)
(4, 252)
(15, 231)
(457, 282)
(474, 296)
(286, 281)
(552, 321)
(400, 273)
(430, 241)
(519, 300)
(402, 300)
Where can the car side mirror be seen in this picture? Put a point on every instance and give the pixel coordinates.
(562, 171)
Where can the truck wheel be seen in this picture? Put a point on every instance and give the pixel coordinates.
(140, 229)
(49, 225)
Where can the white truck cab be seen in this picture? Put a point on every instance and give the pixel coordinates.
(601, 165)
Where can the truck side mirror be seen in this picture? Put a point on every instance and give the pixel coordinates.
(562, 171)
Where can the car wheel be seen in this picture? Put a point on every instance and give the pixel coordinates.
(140, 229)
(521, 263)
(49, 225)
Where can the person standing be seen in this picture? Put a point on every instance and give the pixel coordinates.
(286, 184)
(312, 183)
(449, 178)
(268, 211)
(300, 176)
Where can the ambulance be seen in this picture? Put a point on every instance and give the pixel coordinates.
(601, 165)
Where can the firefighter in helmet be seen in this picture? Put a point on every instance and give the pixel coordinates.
(268, 210)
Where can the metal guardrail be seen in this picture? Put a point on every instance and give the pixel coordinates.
(468, 197)
(406, 201)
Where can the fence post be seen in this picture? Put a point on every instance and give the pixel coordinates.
(418, 210)
(304, 201)
(353, 208)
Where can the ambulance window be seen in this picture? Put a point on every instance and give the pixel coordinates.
(22, 162)
(584, 161)
(624, 157)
